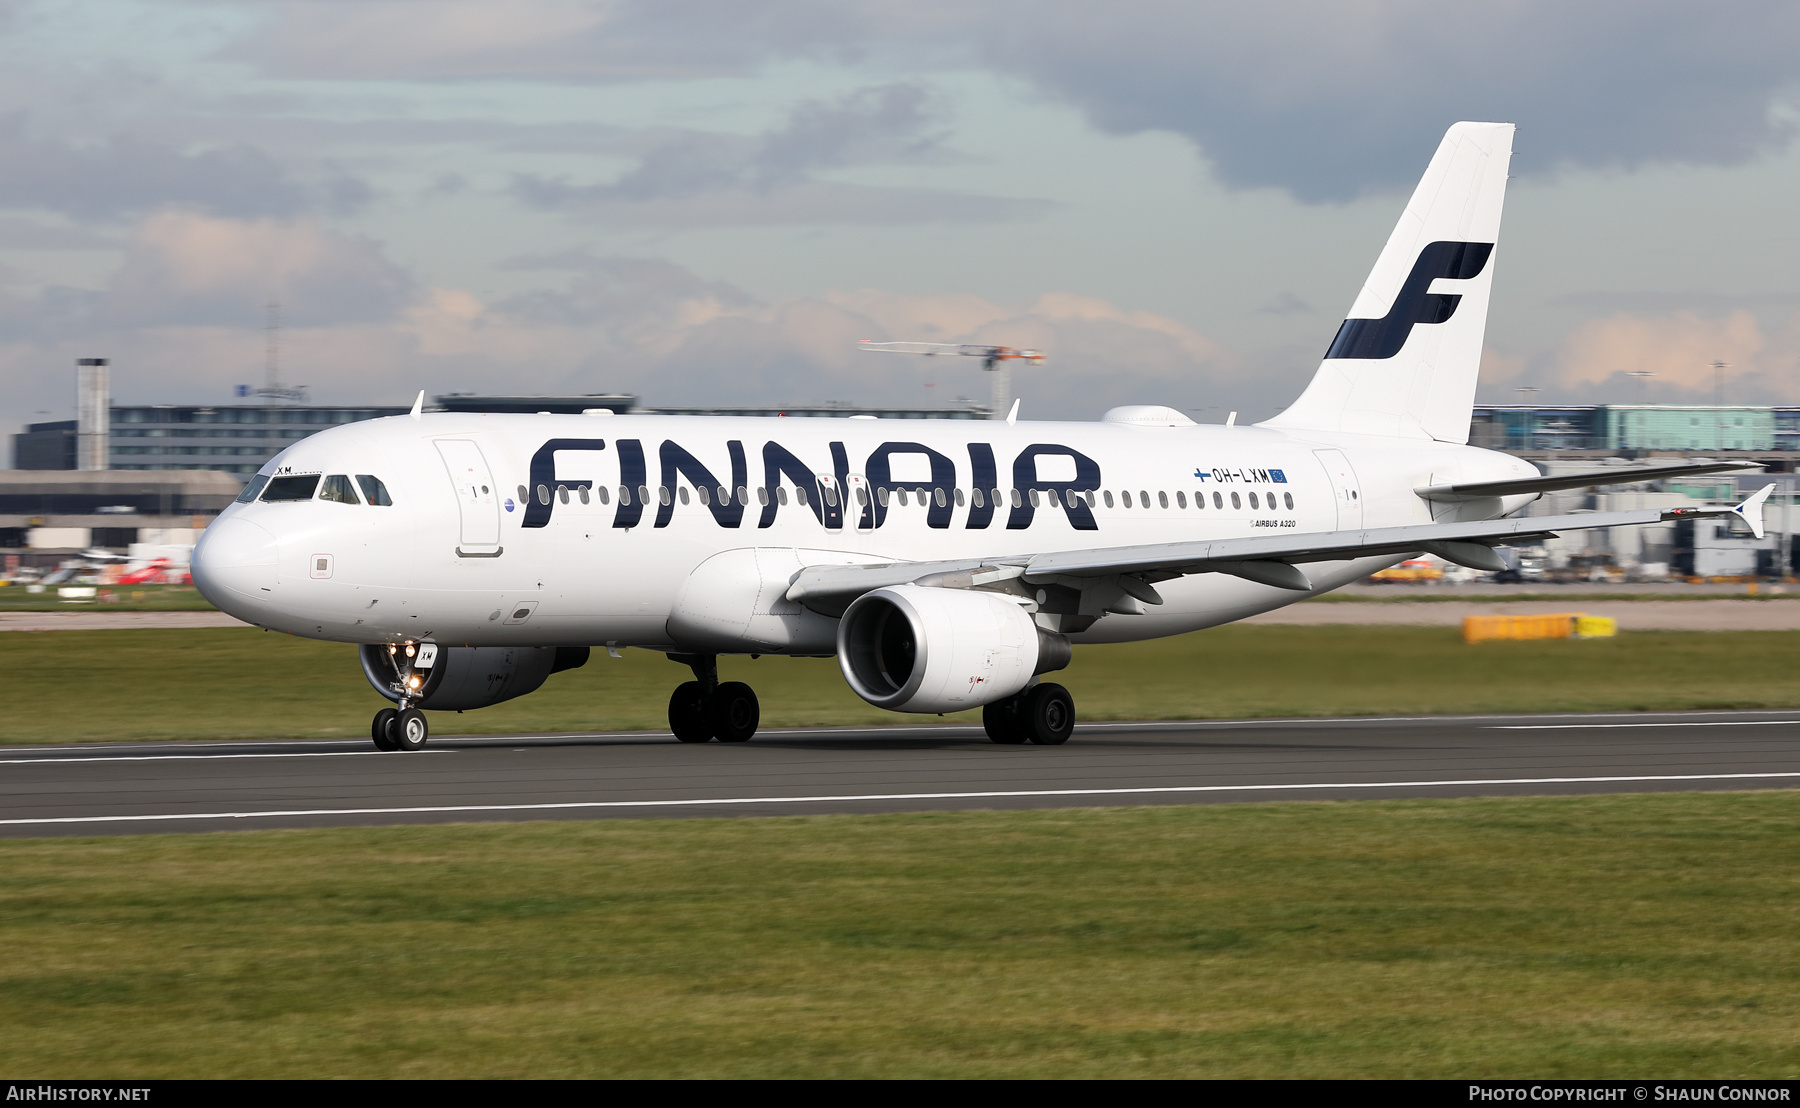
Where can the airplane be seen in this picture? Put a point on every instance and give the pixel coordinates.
(947, 564)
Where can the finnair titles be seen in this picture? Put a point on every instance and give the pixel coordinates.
(948, 565)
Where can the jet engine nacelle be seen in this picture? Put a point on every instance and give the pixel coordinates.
(910, 648)
(469, 676)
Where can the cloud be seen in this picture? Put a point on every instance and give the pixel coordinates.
(708, 179)
(184, 268)
(125, 174)
(1324, 99)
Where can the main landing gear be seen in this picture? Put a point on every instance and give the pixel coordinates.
(1043, 714)
(704, 709)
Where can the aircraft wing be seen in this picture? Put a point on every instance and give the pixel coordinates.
(1482, 490)
(1270, 560)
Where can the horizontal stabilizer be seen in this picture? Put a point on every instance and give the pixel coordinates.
(1483, 490)
(1751, 510)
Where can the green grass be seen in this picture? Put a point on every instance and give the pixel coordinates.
(1404, 594)
(1538, 937)
(70, 686)
(127, 598)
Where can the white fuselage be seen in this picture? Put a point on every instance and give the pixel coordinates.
(468, 554)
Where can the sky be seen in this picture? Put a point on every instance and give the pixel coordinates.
(702, 201)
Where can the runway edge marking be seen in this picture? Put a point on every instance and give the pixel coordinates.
(866, 797)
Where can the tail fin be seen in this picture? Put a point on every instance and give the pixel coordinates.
(1404, 362)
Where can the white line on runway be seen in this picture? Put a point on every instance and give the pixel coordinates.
(870, 797)
(910, 730)
(1598, 726)
(199, 757)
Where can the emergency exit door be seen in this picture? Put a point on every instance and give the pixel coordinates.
(476, 498)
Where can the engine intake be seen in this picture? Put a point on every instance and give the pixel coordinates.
(909, 648)
(470, 676)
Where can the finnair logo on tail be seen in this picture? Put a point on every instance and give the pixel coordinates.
(1383, 338)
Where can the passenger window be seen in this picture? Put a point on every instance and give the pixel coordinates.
(1218, 500)
(862, 496)
(1180, 499)
(1199, 499)
(662, 495)
(901, 493)
(1162, 498)
(937, 497)
(959, 498)
(1125, 497)
(582, 491)
(562, 493)
(1253, 502)
(781, 494)
(1288, 499)
(1107, 497)
(681, 491)
(250, 490)
(524, 495)
(625, 495)
(644, 495)
(979, 500)
(743, 495)
(1017, 500)
(1143, 498)
(800, 496)
(291, 488)
(374, 491)
(1235, 502)
(544, 495)
(600, 491)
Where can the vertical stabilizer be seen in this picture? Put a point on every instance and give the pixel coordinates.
(1404, 363)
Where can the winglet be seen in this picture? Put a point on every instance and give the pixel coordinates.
(1752, 509)
(418, 405)
(1012, 417)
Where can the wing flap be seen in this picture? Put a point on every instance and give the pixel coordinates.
(1483, 490)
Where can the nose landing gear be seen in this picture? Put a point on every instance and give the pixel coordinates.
(704, 709)
(404, 728)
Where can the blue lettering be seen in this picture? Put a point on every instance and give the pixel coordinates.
(543, 474)
(1025, 478)
(727, 510)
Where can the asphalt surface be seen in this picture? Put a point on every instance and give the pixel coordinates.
(132, 788)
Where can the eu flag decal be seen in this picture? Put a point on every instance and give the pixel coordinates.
(1278, 476)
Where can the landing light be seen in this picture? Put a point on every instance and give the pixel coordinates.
(412, 683)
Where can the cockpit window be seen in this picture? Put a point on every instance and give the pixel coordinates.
(338, 488)
(291, 488)
(374, 490)
(255, 486)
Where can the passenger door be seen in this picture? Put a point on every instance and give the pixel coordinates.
(1344, 486)
(476, 498)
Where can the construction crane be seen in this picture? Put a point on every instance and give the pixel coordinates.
(994, 359)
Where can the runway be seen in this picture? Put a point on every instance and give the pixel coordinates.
(132, 788)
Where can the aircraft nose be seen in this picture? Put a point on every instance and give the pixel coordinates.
(235, 561)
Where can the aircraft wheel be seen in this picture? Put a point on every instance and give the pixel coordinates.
(1047, 716)
(687, 713)
(382, 729)
(1001, 720)
(733, 712)
(410, 730)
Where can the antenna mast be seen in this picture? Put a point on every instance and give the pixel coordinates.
(272, 386)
